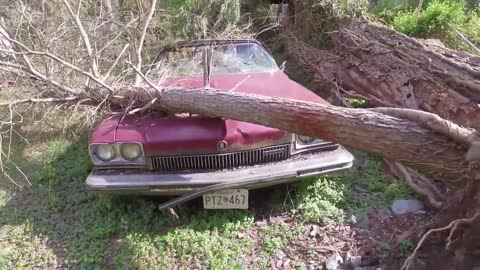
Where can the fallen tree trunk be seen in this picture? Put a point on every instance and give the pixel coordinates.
(363, 60)
(397, 139)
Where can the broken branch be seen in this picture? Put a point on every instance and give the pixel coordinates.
(86, 41)
(142, 39)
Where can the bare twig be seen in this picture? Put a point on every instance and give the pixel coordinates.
(107, 74)
(126, 26)
(142, 76)
(59, 60)
(464, 39)
(409, 261)
(33, 71)
(142, 39)
(37, 100)
(86, 41)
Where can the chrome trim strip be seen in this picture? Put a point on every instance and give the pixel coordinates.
(146, 182)
(221, 161)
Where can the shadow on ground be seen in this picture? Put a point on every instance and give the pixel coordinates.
(70, 227)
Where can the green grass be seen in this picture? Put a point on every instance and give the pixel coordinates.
(208, 239)
(436, 21)
(66, 220)
(331, 197)
(277, 236)
(57, 223)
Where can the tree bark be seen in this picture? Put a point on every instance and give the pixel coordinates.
(397, 139)
(387, 68)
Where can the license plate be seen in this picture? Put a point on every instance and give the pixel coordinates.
(226, 199)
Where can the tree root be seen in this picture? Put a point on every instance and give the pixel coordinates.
(425, 189)
(452, 226)
(418, 183)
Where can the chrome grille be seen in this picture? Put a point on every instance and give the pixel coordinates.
(221, 161)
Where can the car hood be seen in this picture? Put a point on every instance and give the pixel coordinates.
(272, 84)
(197, 134)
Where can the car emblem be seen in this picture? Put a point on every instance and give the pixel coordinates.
(222, 145)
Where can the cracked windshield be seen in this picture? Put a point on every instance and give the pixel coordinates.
(226, 59)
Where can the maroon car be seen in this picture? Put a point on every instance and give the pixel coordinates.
(217, 158)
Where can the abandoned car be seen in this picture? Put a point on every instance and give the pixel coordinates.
(219, 159)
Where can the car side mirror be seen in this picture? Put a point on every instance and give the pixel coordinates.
(282, 66)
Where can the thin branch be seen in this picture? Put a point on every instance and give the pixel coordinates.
(107, 74)
(139, 73)
(30, 69)
(142, 39)
(84, 35)
(37, 100)
(125, 27)
(464, 39)
(58, 59)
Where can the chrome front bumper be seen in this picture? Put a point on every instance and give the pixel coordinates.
(130, 181)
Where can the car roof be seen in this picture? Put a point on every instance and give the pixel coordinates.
(204, 42)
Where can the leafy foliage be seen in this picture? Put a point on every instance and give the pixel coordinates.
(319, 200)
(320, 16)
(276, 236)
(195, 19)
(406, 246)
(331, 197)
(209, 238)
(432, 21)
(436, 21)
(357, 102)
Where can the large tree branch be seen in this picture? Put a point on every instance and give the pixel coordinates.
(433, 122)
(400, 140)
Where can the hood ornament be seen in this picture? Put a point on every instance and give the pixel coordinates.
(207, 62)
(222, 145)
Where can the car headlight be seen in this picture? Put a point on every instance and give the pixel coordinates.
(131, 151)
(305, 139)
(117, 154)
(303, 142)
(105, 152)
